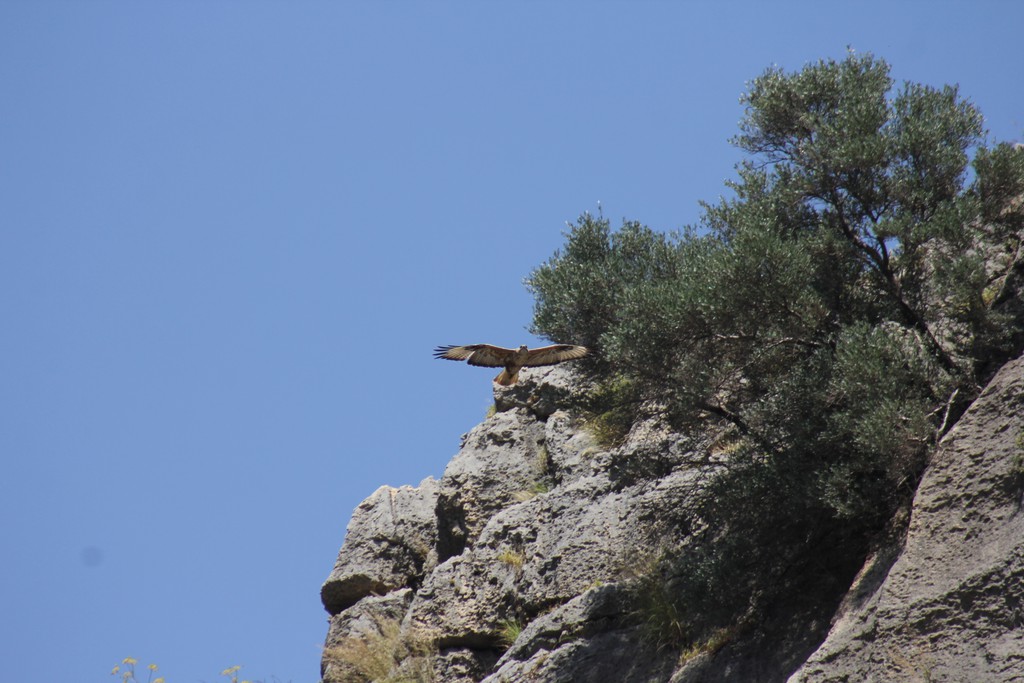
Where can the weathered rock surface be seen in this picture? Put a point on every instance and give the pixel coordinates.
(356, 626)
(390, 542)
(590, 639)
(517, 564)
(501, 460)
(949, 609)
(527, 521)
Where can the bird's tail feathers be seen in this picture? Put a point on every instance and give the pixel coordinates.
(505, 379)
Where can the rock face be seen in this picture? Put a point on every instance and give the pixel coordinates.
(390, 540)
(520, 563)
(950, 606)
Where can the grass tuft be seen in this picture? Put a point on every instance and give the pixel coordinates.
(388, 655)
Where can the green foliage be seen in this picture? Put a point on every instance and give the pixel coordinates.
(579, 292)
(658, 611)
(612, 407)
(509, 631)
(837, 314)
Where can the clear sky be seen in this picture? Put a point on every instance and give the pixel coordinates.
(232, 232)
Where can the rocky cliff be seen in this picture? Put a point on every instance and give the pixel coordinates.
(531, 560)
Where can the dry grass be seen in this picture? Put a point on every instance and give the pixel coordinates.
(387, 655)
(511, 557)
(532, 492)
(710, 645)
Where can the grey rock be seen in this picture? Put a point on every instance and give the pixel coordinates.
(541, 391)
(593, 637)
(544, 552)
(464, 600)
(533, 554)
(530, 516)
(499, 460)
(572, 452)
(463, 664)
(389, 544)
(356, 626)
(949, 608)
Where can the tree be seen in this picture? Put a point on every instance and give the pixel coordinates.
(835, 316)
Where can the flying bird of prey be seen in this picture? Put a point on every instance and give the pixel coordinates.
(511, 360)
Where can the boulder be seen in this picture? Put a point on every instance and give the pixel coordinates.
(389, 544)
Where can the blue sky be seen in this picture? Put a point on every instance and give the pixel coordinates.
(232, 232)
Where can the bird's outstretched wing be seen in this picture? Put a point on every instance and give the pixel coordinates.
(556, 353)
(485, 355)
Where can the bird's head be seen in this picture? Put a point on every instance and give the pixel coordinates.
(523, 347)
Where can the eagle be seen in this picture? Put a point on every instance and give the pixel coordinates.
(511, 360)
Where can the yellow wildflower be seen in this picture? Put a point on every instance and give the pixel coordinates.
(152, 667)
(115, 670)
(159, 680)
(129, 660)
